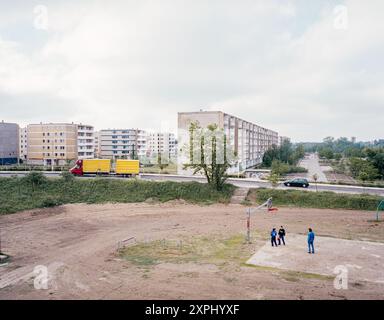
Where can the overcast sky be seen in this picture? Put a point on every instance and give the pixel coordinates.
(307, 69)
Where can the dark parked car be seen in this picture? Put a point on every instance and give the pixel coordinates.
(297, 182)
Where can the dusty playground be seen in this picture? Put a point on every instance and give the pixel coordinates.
(78, 244)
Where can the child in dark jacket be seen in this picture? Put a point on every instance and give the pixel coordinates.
(281, 235)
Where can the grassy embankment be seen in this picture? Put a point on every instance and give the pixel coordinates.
(18, 194)
(321, 200)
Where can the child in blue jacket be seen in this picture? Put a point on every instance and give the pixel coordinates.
(311, 239)
(273, 237)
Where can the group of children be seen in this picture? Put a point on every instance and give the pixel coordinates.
(280, 237)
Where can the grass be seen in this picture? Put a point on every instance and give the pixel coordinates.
(321, 200)
(168, 169)
(222, 252)
(18, 194)
(209, 250)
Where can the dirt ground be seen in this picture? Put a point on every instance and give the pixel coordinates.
(78, 244)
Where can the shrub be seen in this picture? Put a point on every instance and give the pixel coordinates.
(322, 200)
(35, 179)
(67, 176)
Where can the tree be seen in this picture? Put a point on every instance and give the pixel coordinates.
(376, 157)
(285, 153)
(326, 153)
(363, 169)
(210, 154)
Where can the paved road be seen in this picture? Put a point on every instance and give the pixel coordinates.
(311, 163)
(244, 183)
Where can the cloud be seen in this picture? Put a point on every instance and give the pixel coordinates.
(135, 63)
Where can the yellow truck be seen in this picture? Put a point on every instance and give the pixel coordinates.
(127, 167)
(122, 167)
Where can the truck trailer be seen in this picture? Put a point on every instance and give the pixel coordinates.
(122, 167)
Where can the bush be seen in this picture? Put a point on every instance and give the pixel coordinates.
(322, 200)
(35, 179)
(51, 202)
(67, 176)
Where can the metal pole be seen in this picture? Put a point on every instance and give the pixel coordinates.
(248, 238)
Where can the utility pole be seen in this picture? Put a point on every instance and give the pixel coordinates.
(248, 238)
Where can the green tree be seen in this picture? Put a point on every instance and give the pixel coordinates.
(326, 153)
(215, 155)
(363, 169)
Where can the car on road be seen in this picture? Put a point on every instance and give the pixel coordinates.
(297, 182)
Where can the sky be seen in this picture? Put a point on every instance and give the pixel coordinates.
(307, 69)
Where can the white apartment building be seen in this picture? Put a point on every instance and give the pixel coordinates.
(97, 144)
(23, 144)
(163, 143)
(85, 142)
(122, 143)
(248, 140)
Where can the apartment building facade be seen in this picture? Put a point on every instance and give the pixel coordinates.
(248, 140)
(85, 142)
(97, 144)
(122, 143)
(163, 143)
(52, 143)
(23, 144)
(9, 143)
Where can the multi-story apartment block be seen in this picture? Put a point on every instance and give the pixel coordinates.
(122, 143)
(23, 144)
(163, 143)
(248, 140)
(85, 142)
(97, 144)
(9, 143)
(52, 143)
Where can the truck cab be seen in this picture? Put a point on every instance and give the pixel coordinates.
(77, 170)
